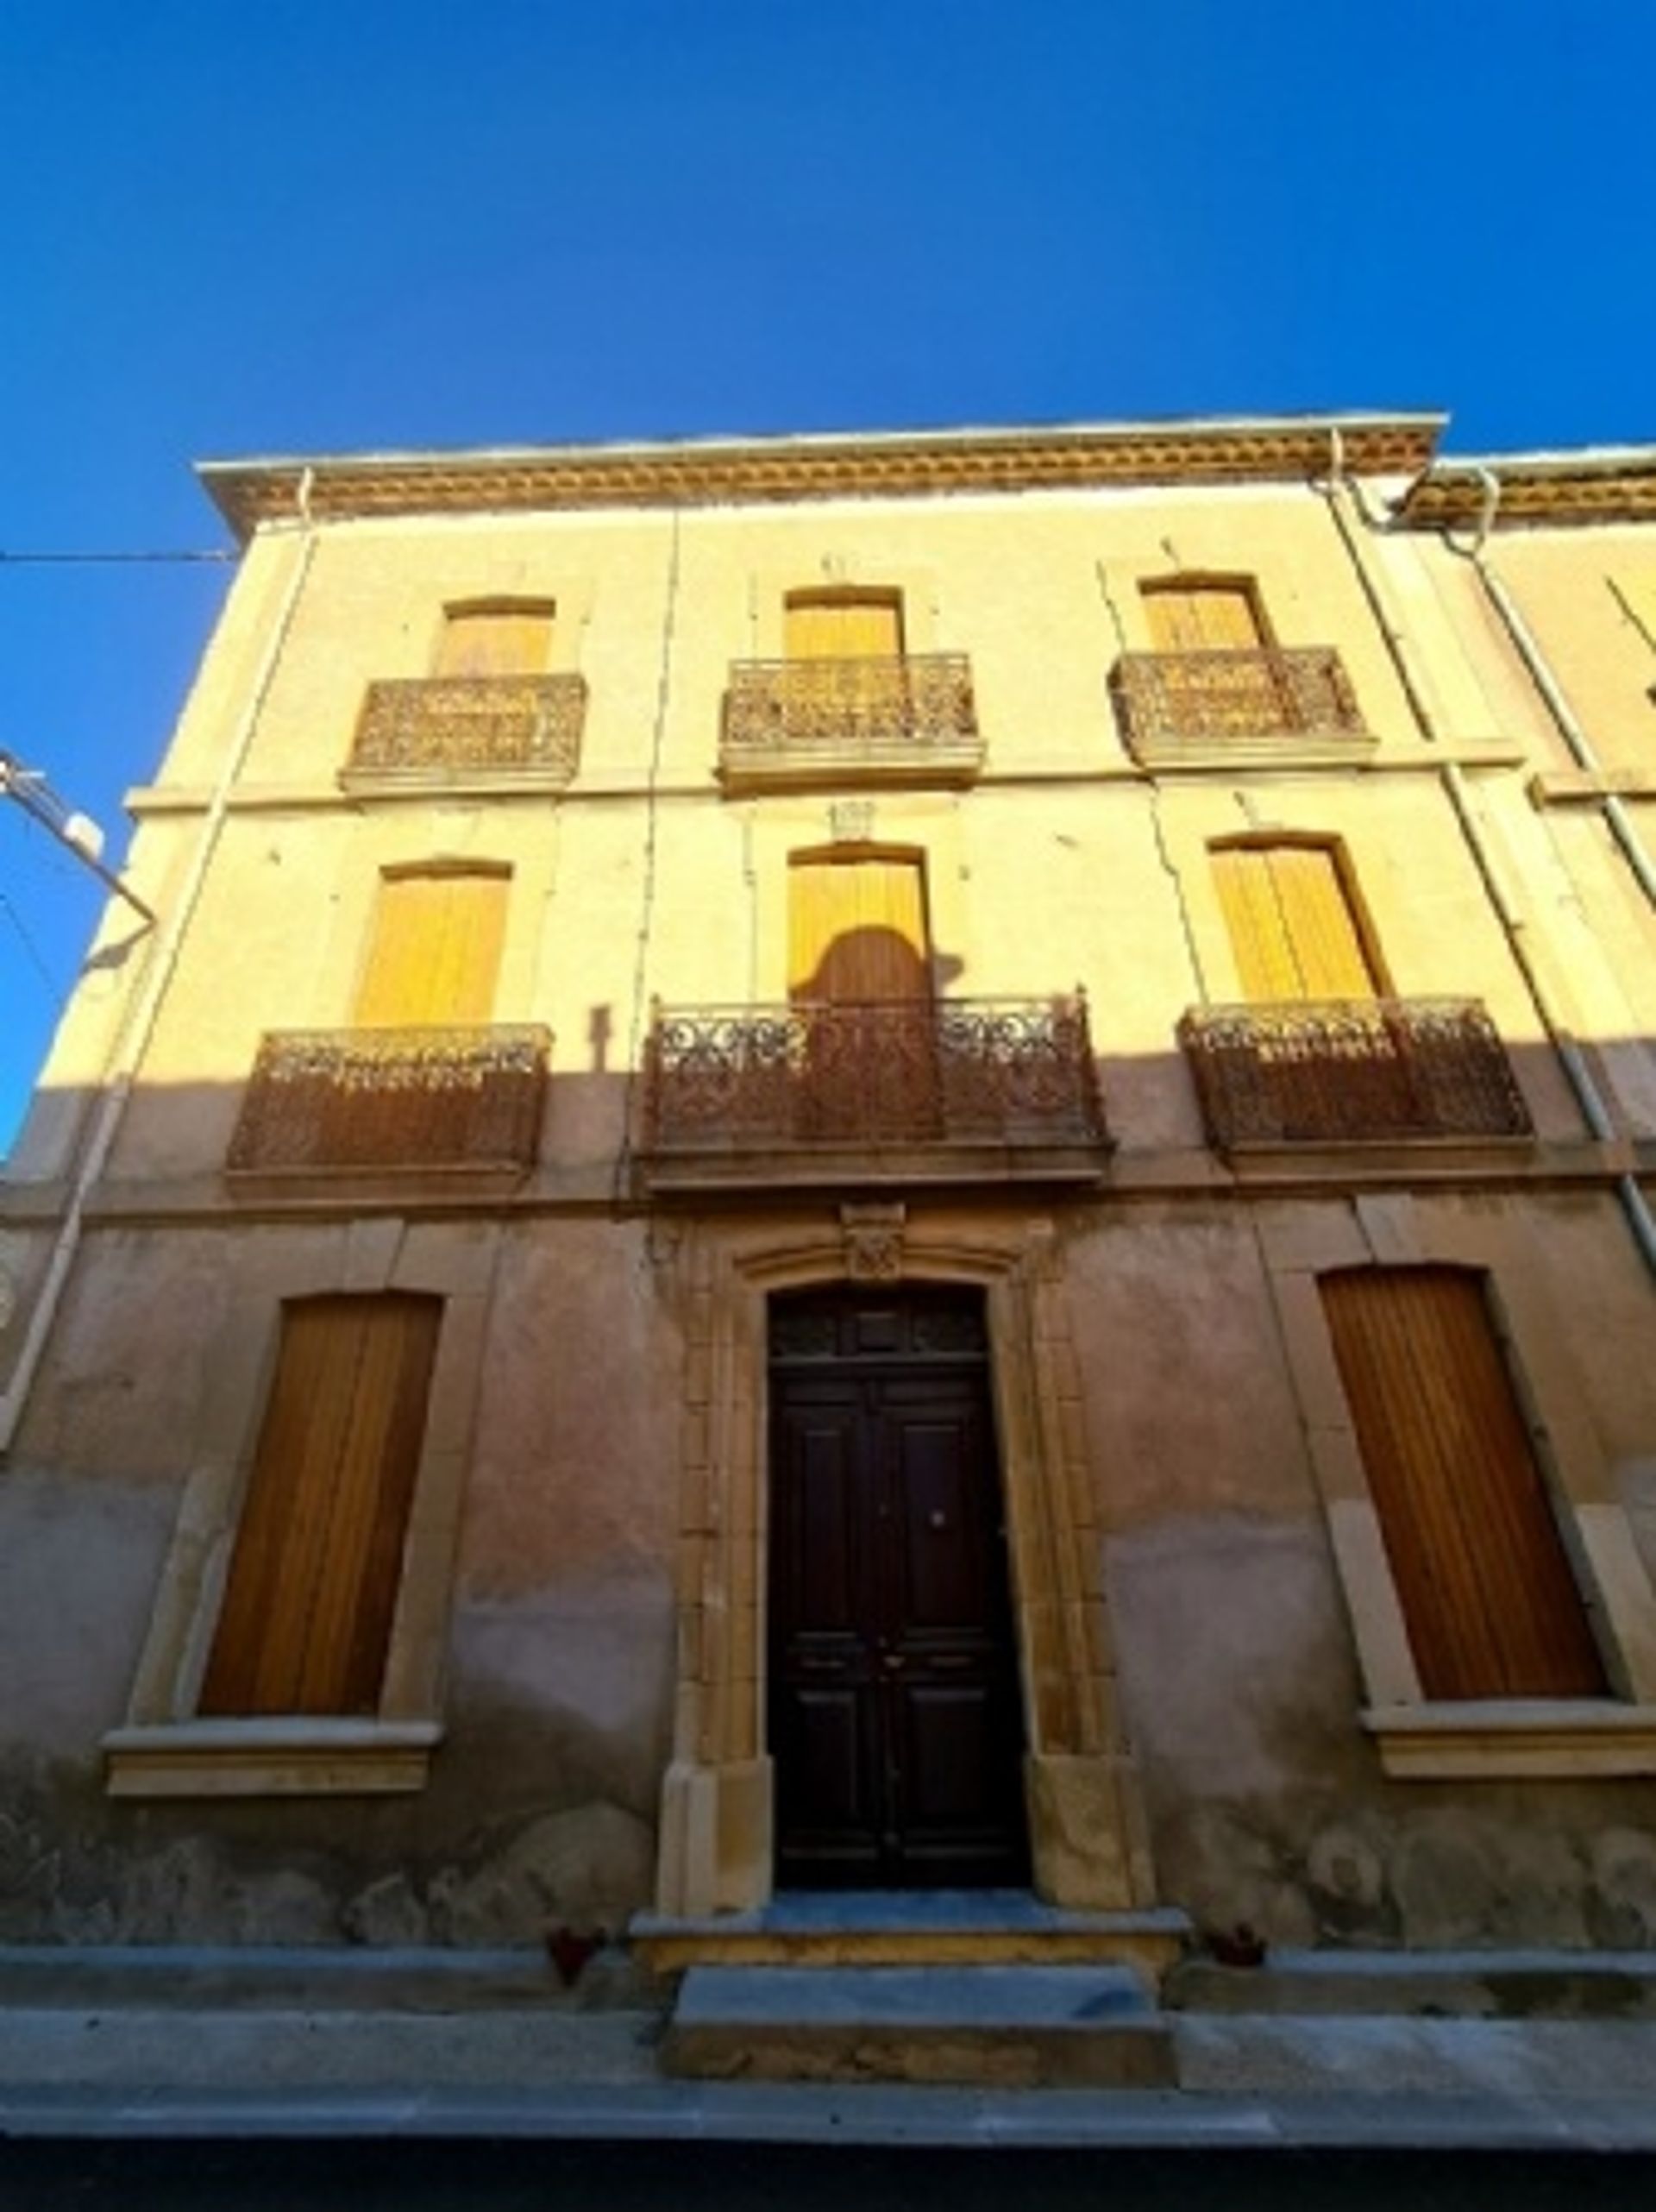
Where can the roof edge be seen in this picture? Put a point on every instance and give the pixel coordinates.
(819, 465)
(1594, 483)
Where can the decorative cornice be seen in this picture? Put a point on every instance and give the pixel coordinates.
(772, 470)
(1600, 484)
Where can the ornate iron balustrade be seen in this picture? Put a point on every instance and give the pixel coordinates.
(984, 1071)
(785, 721)
(393, 1098)
(440, 729)
(1244, 704)
(1351, 1070)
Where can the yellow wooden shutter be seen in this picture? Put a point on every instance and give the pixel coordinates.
(491, 641)
(1198, 617)
(436, 950)
(857, 931)
(1291, 925)
(306, 1620)
(819, 627)
(1486, 1589)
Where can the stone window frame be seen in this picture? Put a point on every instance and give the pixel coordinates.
(1088, 1831)
(1418, 1737)
(165, 1749)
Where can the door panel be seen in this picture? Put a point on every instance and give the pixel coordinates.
(895, 1715)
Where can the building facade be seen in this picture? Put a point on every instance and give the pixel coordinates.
(900, 1163)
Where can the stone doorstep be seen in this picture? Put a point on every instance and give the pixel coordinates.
(914, 1928)
(1007, 2027)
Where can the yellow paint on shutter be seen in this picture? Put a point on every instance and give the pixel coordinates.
(436, 950)
(1486, 1589)
(1198, 617)
(857, 931)
(306, 1620)
(818, 626)
(1291, 925)
(1322, 926)
(1265, 966)
(496, 641)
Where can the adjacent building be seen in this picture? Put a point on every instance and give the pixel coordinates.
(875, 1163)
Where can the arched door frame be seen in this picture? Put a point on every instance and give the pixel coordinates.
(1088, 1837)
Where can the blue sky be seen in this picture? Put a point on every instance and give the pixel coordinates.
(327, 224)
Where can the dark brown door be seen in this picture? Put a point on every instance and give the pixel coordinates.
(895, 1719)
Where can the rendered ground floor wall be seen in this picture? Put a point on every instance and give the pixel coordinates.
(1228, 1616)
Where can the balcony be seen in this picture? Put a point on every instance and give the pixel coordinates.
(497, 730)
(375, 1101)
(817, 1094)
(1201, 710)
(795, 725)
(1352, 1072)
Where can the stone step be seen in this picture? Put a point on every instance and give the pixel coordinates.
(994, 2026)
(886, 1927)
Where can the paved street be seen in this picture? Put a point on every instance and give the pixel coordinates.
(249, 2176)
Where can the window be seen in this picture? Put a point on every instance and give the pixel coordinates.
(1205, 615)
(857, 931)
(844, 624)
(496, 637)
(859, 961)
(433, 950)
(1489, 1599)
(306, 1620)
(1295, 925)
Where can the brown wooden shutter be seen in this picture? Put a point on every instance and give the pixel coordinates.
(1291, 925)
(306, 1620)
(1203, 618)
(832, 625)
(436, 950)
(1486, 1589)
(491, 641)
(857, 931)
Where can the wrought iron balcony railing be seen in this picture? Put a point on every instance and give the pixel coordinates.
(1351, 1070)
(458, 729)
(986, 1071)
(393, 1098)
(791, 723)
(1251, 706)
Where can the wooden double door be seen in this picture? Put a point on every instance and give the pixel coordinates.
(895, 1718)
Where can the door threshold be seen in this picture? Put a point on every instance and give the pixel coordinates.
(918, 1927)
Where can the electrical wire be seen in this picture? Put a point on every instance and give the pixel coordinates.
(17, 560)
(53, 991)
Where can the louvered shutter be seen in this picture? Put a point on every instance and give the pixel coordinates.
(857, 931)
(436, 950)
(496, 641)
(1486, 1589)
(1291, 925)
(308, 1601)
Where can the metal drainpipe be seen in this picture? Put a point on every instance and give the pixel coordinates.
(1635, 1205)
(135, 1037)
(1581, 749)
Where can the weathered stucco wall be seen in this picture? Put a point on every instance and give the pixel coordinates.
(549, 1579)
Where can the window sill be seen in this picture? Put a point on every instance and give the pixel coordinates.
(297, 1757)
(1511, 1739)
